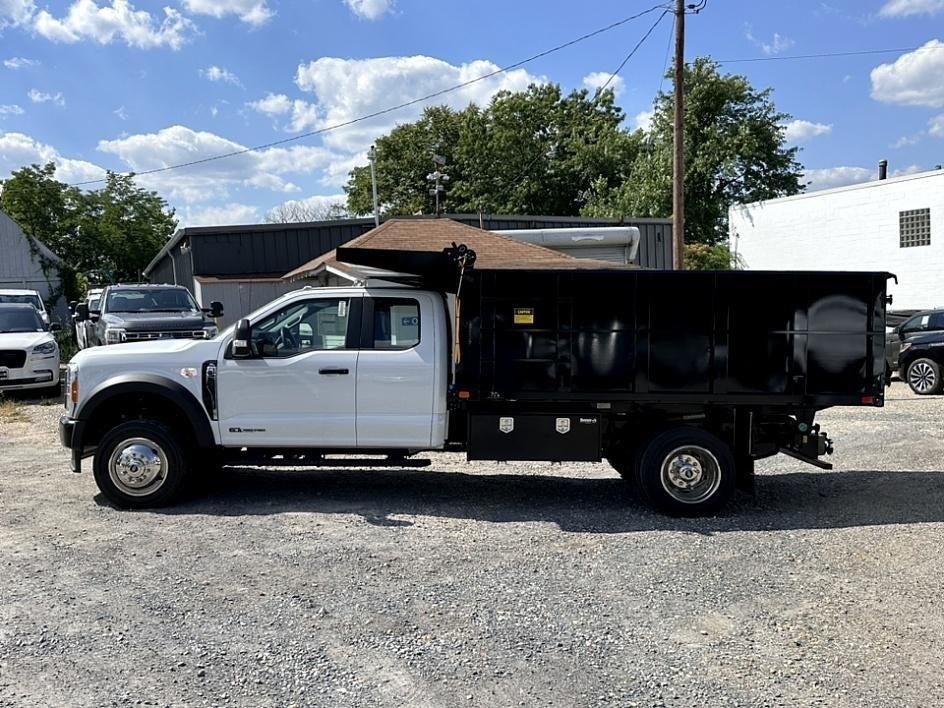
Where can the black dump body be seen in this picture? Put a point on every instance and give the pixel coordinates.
(811, 339)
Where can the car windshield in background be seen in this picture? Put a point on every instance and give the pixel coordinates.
(22, 300)
(150, 300)
(20, 319)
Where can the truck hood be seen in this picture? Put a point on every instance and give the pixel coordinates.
(23, 340)
(192, 352)
(150, 321)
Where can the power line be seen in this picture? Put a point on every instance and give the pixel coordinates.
(390, 109)
(826, 55)
(633, 51)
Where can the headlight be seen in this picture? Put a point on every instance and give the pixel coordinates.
(113, 335)
(905, 347)
(45, 349)
(209, 331)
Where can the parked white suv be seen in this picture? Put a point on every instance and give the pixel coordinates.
(25, 297)
(29, 355)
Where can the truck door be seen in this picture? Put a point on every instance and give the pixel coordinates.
(298, 389)
(396, 372)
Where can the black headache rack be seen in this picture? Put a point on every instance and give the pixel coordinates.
(544, 356)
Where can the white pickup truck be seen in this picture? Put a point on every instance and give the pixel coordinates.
(330, 369)
(679, 379)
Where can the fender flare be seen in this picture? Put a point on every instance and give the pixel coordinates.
(151, 384)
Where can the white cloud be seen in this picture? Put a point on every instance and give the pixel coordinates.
(219, 215)
(121, 113)
(252, 12)
(907, 141)
(85, 19)
(909, 170)
(15, 63)
(914, 79)
(218, 73)
(799, 131)
(348, 88)
(264, 169)
(597, 79)
(936, 126)
(643, 120)
(776, 45)
(907, 8)
(14, 13)
(369, 9)
(302, 115)
(18, 150)
(10, 109)
(37, 96)
(836, 177)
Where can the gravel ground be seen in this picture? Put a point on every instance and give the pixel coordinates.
(481, 584)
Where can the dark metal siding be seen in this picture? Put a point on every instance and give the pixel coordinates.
(268, 250)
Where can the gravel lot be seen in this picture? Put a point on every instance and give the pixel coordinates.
(481, 585)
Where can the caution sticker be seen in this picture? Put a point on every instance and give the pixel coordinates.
(524, 315)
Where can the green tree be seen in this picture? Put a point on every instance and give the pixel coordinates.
(537, 151)
(735, 151)
(104, 235)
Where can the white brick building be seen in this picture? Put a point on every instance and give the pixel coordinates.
(895, 225)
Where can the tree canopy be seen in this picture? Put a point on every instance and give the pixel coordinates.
(533, 152)
(542, 152)
(107, 235)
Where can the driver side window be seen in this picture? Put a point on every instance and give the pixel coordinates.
(916, 324)
(301, 327)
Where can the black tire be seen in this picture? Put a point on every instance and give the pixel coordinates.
(687, 472)
(924, 377)
(143, 441)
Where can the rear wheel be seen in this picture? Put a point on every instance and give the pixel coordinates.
(687, 472)
(924, 377)
(140, 464)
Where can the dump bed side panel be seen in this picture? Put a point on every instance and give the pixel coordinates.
(818, 337)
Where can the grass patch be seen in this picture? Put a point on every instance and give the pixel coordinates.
(11, 411)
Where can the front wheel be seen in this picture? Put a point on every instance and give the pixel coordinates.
(924, 377)
(687, 472)
(140, 464)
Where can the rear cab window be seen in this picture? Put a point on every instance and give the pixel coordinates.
(396, 323)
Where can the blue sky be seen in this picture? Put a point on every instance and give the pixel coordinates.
(133, 85)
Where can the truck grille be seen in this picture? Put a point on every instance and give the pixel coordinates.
(12, 358)
(177, 334)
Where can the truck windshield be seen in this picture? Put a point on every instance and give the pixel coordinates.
(22, 300)
(150, 300)
(20, 320)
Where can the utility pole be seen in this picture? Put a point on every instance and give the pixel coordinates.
(678, 166)
(372, 156)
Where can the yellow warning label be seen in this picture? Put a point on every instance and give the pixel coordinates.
(524, 315)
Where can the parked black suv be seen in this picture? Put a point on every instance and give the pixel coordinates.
(135, 313)
(916, 349)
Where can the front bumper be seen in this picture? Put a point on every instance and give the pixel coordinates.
(70, 435)
(37, 377)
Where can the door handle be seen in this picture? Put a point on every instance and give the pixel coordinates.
(334, 372)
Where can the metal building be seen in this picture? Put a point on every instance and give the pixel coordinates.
(242, 266)
(21, 267)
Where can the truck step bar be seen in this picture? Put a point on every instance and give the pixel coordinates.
(317, 460)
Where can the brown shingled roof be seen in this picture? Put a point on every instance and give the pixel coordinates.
(492, 250)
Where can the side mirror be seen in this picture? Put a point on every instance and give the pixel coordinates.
(55, 327)
(216, 309)
(81, 312)
(242, 340)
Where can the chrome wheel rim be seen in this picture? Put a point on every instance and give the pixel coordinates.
(921, 377)
(138, 467)
(691, 474)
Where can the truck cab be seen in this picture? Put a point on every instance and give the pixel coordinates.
(324, 370)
